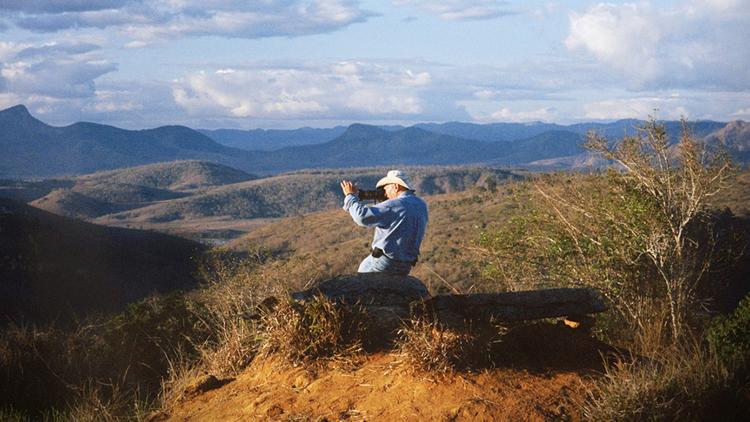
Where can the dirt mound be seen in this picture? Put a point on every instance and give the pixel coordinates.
(540, 373)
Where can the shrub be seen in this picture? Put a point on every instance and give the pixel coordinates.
(643, 236)
(729, 335)
(111, 364)
(683, 384)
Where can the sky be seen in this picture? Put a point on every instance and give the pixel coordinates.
(321, 63)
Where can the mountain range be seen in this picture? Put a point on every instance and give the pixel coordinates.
(269, 140)
(272, 139)
(33, 149)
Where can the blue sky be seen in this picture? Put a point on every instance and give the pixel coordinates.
(320, 63)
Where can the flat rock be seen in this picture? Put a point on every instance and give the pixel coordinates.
(454, 310)
(369, 289)
(386, 298)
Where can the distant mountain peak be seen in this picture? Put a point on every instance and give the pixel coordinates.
(18, 116)
(359, 130)
(20, 108)
(17, 112)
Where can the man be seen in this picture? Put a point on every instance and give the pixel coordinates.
(400, 224)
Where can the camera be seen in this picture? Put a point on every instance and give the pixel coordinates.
(377, 195)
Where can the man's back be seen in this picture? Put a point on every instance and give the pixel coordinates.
(402, 236)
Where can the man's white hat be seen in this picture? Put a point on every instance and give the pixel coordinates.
(395, 176)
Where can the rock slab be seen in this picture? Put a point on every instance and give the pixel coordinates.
(454, 310)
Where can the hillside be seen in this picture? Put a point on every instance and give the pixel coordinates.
(447, 257)
(93, 195)
(174, 176)
(541, 374)
(536, 371)
(53, 267)
(294, 194)
(735, 137)
(448, 252)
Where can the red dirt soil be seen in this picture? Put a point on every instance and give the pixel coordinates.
(540, 373)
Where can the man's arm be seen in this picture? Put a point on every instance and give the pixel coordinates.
(363, 215)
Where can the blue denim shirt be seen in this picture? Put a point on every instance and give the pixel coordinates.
(400, 223)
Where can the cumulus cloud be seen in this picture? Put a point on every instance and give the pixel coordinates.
(55, 70)
(151, 20)
(457, 10)
(699, 44)
(320, 91)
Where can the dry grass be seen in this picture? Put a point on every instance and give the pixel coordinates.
(235, 290)
(319, 328)
(97, 402)
(183, 373)
(427, 346)
(687, 383)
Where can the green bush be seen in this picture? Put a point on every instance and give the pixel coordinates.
(729, 335)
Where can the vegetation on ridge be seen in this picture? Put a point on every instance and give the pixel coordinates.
(550, 230)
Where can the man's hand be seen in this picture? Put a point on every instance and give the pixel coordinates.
(349, 187)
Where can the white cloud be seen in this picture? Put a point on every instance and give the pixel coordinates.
(107, 101)
(417, 79)
(152, 20)
(56, 70)
(458, 10)
(699, 44)
(346, 88)
(545, 114)
(8, 99)
(8, 50)
(59, 6)
(637, 108)
(743, 114)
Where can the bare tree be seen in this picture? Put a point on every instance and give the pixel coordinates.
(679, 181)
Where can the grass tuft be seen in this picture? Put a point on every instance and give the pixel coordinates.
(319, 328)
(430, 347)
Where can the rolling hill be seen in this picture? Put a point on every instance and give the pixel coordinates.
(175, 176)
(93, 195)
(56, 268)
(297, 193)
(206, 200)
